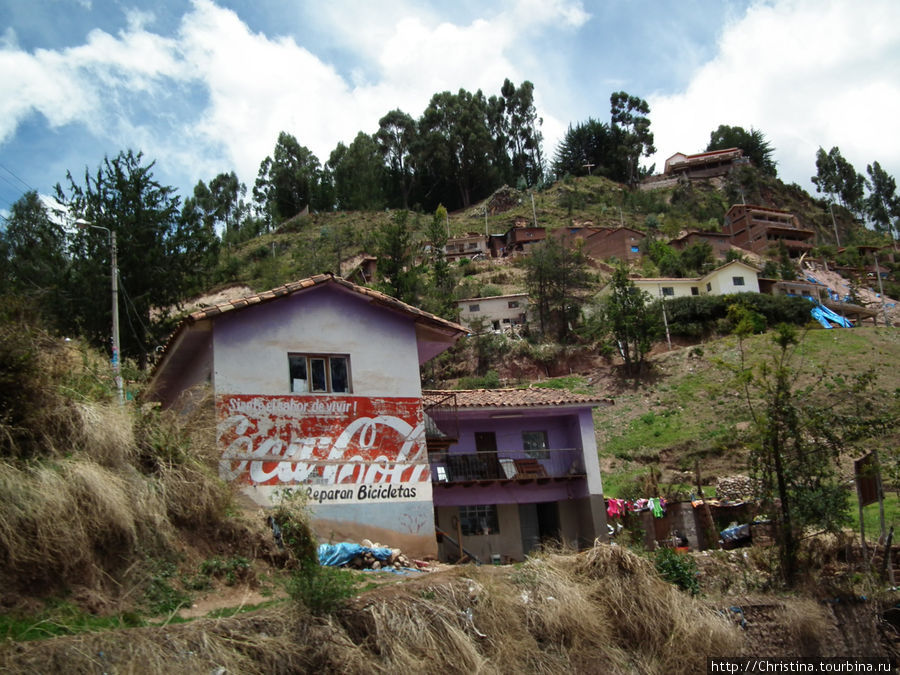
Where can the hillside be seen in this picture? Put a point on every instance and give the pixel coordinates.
(315, 243)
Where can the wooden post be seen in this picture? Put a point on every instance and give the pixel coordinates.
(862, 524)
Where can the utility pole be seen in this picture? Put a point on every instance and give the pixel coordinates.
(662, 302)
(837, 239)
(116, 356)
(880, 288)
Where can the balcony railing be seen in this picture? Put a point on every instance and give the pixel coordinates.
(506, 466)
(441, 416)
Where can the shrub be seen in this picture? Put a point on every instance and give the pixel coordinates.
(320, 589)
(677, 568)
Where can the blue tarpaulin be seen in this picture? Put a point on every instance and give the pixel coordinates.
(335, 555)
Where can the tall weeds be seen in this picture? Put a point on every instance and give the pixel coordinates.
(88, 487)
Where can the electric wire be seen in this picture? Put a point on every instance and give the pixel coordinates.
(13, 174)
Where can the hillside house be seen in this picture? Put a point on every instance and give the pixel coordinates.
(704, 164)
(315, 385)
(467, 246)
(732, 277)
(498, 313)
(720, 242)
(514, 469)
(519, 237)
(603, 243)
(762, 229)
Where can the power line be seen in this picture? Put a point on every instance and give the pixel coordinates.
(13, 185)
(13, 174)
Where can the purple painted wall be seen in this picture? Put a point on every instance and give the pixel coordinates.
(564, 430)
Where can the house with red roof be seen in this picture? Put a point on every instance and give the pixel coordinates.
(315, 387)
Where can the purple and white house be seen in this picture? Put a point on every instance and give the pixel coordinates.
(315, 387)
(514, 468)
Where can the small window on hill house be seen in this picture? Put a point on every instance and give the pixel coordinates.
(737, 281)
(320, 374)
(709, 288)
(513, 304)
(474, 308)
(668, 290)
(695, 290)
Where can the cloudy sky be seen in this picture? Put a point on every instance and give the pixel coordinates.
(205, 86)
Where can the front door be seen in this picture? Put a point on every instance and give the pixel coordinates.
(528, 523)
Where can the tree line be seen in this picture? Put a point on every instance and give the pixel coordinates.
(462, 148)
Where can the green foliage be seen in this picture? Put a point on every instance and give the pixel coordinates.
(626, 319)
(61, 617)
(397, 252)
(836, 177)
(703, 315)
(358, 173)
(588, 143)
(795, 453)
(231, 570)
(160, 595)
(490, 380)
(753, 143)
(321, 589)
(556, 278)
(288, 181)
(677, 568)
(291, 516)
(629, 117)
(161, 257)
(35, 255)
(883, 204)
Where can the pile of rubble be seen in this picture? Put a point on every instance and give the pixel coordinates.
(735, 488)
(367, 560)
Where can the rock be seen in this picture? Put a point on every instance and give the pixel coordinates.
(367, 543)
(376, 565)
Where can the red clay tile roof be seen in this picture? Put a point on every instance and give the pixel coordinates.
(295, 286)
(521, 398)
(374, 296)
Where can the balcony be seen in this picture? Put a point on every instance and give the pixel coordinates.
(511, 466)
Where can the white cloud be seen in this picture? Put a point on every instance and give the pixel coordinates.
(804, 72)
(140, 89)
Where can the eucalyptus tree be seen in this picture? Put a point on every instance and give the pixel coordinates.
(289, 181)
(629, 118)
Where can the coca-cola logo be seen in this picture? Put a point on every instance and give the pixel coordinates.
(325, 441)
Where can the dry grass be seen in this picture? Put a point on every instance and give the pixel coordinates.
(89, 487)
(74, 520)
(601, 611)
(805, 624)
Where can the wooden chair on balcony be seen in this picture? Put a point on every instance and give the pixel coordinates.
(529, 469)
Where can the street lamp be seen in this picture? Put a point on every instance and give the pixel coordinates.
(116, 360)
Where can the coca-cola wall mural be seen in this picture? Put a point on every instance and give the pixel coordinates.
(337, 449)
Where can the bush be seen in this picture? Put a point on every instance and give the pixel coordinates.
(320, 589)
(703, 315)
(678, 569)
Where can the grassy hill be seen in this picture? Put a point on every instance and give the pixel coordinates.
(691, 409)
(315, 243)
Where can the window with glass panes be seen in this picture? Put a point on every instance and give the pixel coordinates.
(319, 373)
